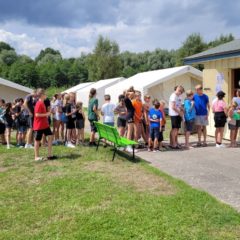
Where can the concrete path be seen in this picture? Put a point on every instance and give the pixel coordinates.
(211, 169)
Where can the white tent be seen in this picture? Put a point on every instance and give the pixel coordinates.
(10, 90)
(159, 83)
(78, 87)
(100, 86)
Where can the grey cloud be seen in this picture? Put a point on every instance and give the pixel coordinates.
(71, 13)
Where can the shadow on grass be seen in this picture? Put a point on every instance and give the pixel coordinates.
(73, 156)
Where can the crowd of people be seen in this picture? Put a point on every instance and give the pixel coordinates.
(39, 120)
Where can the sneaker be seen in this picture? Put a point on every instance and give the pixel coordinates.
(8, 146)
(221, 145)
(149, 149)
(155, 150)
(218, 145)
(70, 145)
(29, 146)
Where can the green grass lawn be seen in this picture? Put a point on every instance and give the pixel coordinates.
(83, 195)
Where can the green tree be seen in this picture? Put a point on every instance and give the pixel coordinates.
(8, 57)
(23, 71)
(47, 51)
(220, 40)
(5, 46)
(192, 45)
(105, 61)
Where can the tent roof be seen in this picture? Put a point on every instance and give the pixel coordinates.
(77, 87)
(15, 85)
(101, 83)
(151, 78)
(226, 50)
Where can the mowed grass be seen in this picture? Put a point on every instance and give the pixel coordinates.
(83, 195)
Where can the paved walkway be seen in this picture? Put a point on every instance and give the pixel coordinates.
(211, 169)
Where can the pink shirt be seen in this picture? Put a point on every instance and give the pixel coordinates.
(219, 106)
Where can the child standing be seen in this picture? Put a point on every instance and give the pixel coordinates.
(189, 115)
(80, 122)
(121, 110)
(8, 122)
(41, 126)
(232, 124)
(163, 123)
(155, 119)
(107, 111)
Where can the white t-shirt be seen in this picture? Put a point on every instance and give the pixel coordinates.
(108, 112)
(177, 100)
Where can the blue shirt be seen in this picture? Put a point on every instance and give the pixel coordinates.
(201, 103)
(155, 114)
(189, 112)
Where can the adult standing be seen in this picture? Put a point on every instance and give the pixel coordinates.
(29, 104)
(220, 111)
(176, 114)
(202, 108)
(93, 114)
(236, 100)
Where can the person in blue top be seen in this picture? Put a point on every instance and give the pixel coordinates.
(155, 118)
(202, 108)
(189, 116)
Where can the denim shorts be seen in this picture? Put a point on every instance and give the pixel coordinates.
(154, 133)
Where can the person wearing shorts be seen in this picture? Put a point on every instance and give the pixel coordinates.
(93, 115)
(220, 111)
(41, 126)
(121, 110)
(202, 107)
(189, 116)
(155, 119)
(2, 125)
(29, 104)
(176, 113)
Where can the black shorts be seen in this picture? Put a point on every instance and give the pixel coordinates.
(189, 125)
(160, 139)
(121, 122)
(30, 121)
(130, 117)
(70, 124)
(79, 123)
(92, 125)
(2, 128)
(39, 133)
(176, 122)
(237, 123)
(220, 119)
(154, 133)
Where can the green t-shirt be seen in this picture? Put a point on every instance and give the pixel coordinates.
(92, 116)
(236, 116)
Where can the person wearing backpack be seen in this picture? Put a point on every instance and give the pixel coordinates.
(21, 116)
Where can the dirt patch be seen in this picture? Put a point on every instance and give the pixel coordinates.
(134, 176)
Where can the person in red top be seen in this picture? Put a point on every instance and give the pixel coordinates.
(41, 126)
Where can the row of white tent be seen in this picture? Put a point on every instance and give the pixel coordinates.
(158, 84)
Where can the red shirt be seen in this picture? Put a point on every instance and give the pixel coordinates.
(40, 123)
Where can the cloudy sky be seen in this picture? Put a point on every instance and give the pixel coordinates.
(72, 26)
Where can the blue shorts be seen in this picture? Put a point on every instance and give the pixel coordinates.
(22, 129)
(189, 125)
(154, 133)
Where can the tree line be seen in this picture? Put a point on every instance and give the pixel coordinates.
(50, 69)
